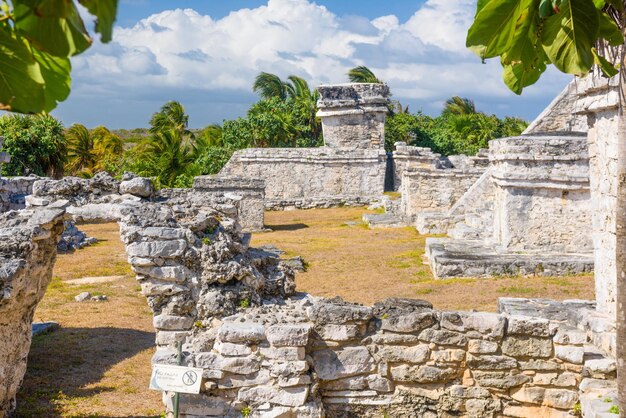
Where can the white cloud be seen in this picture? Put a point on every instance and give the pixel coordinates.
(422, 59)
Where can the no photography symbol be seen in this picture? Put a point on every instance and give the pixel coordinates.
(189, 378)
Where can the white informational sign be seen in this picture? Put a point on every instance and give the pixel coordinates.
(179, 379)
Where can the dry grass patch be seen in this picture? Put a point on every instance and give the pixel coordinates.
(364, 265)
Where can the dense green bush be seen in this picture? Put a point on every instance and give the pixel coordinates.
(36, 144)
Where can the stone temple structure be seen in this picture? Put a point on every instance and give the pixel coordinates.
(348, 170)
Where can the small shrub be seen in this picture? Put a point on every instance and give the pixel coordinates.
(614, 410)
(246, 411)
(385, 316)
(577, 410)
(244, 303)
(198, 324)
(206, 241)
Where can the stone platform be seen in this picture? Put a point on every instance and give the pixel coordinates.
(450, 258)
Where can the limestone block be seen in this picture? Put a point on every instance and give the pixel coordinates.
(604, 365)
(237, 365)
(172, 323)
(335, 313)
(542, 365)
(379, 383)
(288, 335)
(560, 398)
(285, 382)
(334, 332)
(570, 337)
(443, 337)
(138, 186)
(520, 346)
(241, 332)
(414, 354)
(387, 338)
(163, 249)
(500, 380)
(569, 353)
(485, 324)
(413, 322)
(292, 396)
(170, 337)
(447, 355)
(482, 347)
(529, 394)
(331, 365)
(261, 377)
(287, 369)
(348, 383)
(199, 405)
(283, 353)
(423, 374)
(521, 325)
(177, 274)
(233, 350)
(490, 362)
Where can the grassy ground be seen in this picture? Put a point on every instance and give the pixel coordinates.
(98, 364)
(365, 265)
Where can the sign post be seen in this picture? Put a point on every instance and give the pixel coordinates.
(178, 379)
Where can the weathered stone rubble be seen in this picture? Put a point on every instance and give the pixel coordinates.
(73, 239)
(28, 240)
(102, 198)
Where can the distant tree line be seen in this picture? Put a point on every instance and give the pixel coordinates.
(173, 154)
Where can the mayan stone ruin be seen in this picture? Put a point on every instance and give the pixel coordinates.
(526, 206)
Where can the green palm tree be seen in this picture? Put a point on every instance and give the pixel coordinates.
(171, 116)
(458, 106)
(80, 155)
(269, 85)
(170, 154)
(362, 74)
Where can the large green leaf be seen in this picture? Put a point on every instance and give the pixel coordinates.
(607, 68)
(21, 82)
(53, 26)
(56, 75)
(494, 26)
(524, 45)
(105, 11)
(609, 30)
(569, 35)
(517, 76)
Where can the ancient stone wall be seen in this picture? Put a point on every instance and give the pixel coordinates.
(312, 177)
(28, 240)
(434, 190)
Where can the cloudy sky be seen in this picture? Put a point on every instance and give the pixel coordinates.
(206, 53)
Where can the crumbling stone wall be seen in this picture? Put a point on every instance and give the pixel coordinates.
(28, 240)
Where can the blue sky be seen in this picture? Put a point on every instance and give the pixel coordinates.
(206, 53)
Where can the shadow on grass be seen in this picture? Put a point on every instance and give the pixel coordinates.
(287, 227)
(62, 363)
